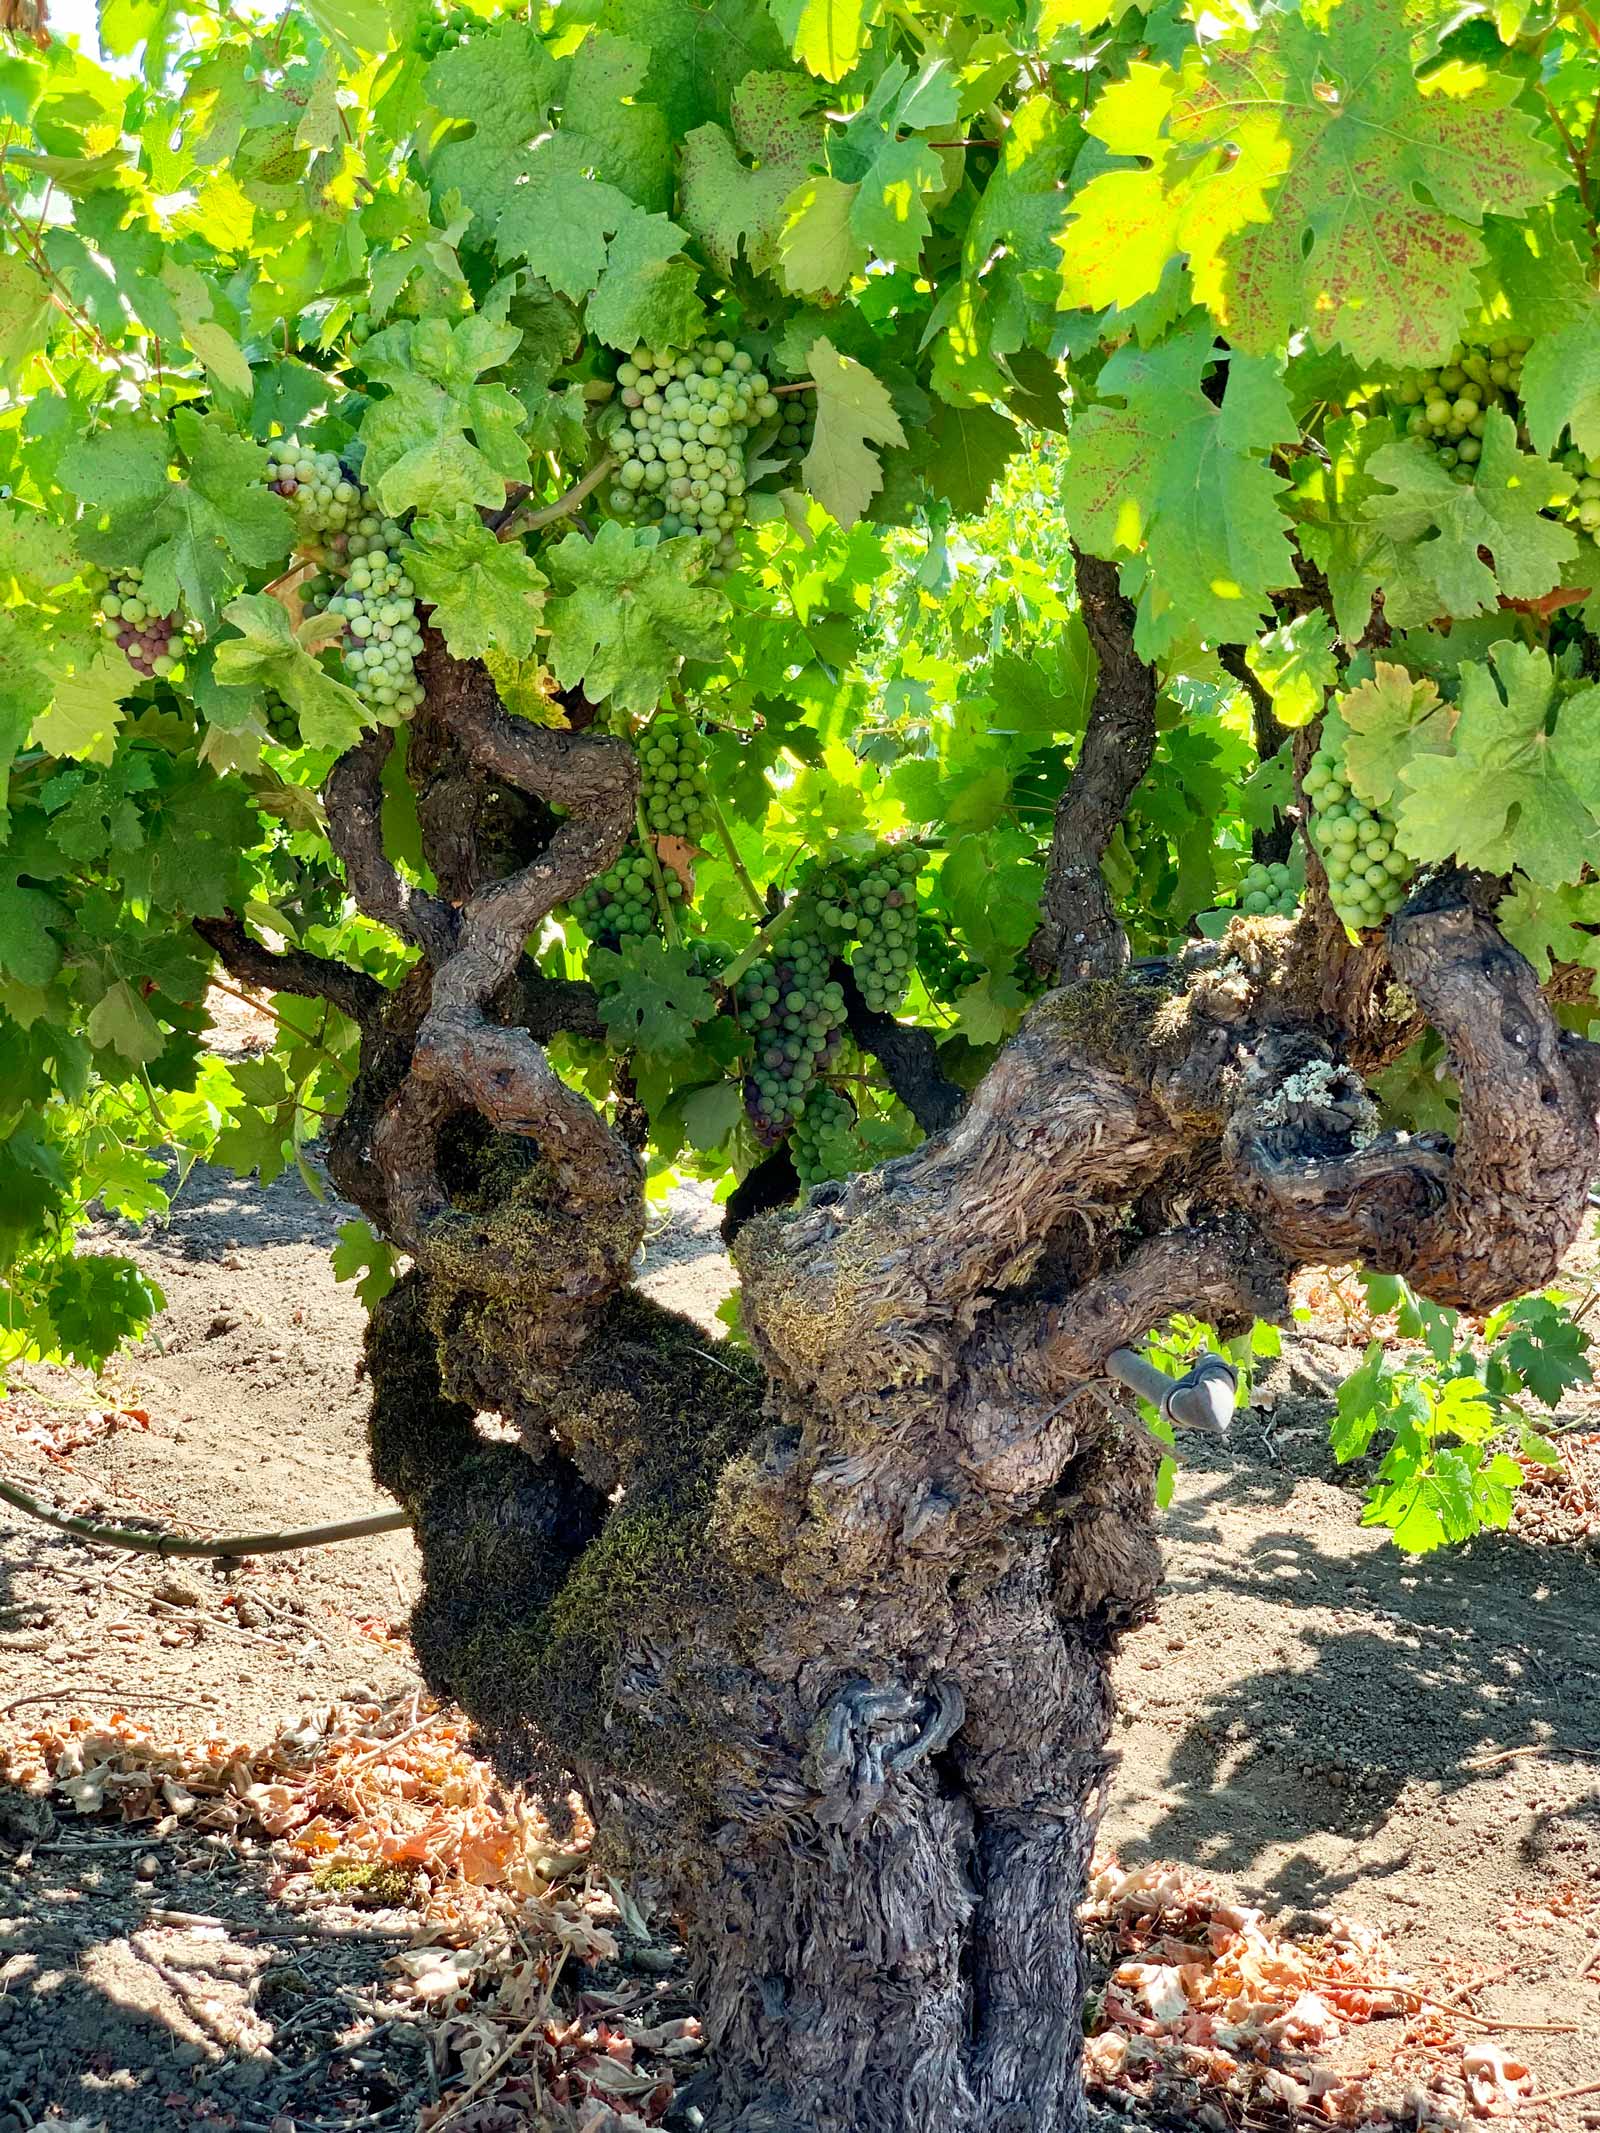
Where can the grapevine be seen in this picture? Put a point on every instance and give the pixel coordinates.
(794, 1012)
(870, 913)
(824, 1141)
(446, 32)
(680, 444)
(621, 903)
(672, 762)
(151, 644)
(1270, 890)
(1367, 871)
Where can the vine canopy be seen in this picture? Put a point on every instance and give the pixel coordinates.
(728, 379)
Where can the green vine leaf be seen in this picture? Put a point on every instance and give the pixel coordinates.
(487, 594)
(628, 611)
(269, 653)
(1522, 787)
(854, 412)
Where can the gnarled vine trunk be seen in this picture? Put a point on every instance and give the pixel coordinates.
(823, 1627)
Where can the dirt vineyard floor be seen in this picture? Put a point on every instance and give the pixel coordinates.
(1397, 1763)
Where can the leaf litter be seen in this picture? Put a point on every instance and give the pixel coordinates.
(544, 1999)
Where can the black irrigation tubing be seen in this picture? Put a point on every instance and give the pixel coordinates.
(232, 1544)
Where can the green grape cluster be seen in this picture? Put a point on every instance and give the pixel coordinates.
(152, 644)
(680, 446)
(1449, 406)
(673, 783)
(360, 327)
(795, 1011)
(797, 424)
(1270, 890)
(870, 912)
(321, 494)
(446, 32)
(1585, 471)
(375, 600)
(1367, 871)
(620, 904)
(824, 1142)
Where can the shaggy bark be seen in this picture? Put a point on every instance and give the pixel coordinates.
(823, 1627)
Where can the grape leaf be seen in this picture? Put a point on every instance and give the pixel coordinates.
(502, 80)
(818, 248)
(854, 412)
(96, 1301)
(698, 53)
(827, 36)
(630, 609)
(209, 530)
(991, 1009)
(1548, 1348)
(624, 139)
(651, 997)
(733, 192)
(269, 653)
(24, 313)
(443, 438)
(649, 292)
(560, 222)
(486, 594)
(361, 1252)
(966, 454)
(120, 466)
(1295, 665)
(1313, 183)
(29, 949)
(1551, 926)
(1561, 383)
(1169, 474)
(1388, 721)
(86, 709)
(1512, 794)
(1438, 525)
(120, 1021)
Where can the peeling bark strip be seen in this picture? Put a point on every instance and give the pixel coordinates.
(1080, 935)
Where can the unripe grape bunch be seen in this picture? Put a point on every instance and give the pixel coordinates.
(673, 782)
(824, 1142)
(446, 32)
(322, 496)
(870, 912)
(1367, 871)
(1269, 891)
(794, 1011)
(1448, 407)
(1585, 471)
(376, 602)
(680, 445)
(620, 904)
(152, 644)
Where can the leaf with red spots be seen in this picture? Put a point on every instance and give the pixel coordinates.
(1313, 182)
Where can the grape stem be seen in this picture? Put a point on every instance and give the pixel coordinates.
(759, 943)
(669, 922)
(741, 871)
(806, 385)
(521, 522)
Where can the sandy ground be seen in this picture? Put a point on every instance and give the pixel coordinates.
(1320, 1723)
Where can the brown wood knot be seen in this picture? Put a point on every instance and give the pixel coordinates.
(864, 1735)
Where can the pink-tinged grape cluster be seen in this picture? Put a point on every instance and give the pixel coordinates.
(824, 1142)
(152, 644)
(794, 1011)
(321, 494)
